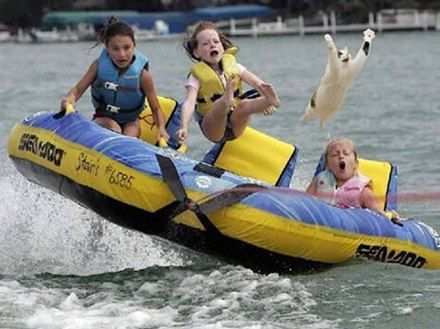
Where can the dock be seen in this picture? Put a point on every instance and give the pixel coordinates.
(382, 21)
(386, 20)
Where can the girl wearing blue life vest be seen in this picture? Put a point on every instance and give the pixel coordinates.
(214, 85)
(119, 81)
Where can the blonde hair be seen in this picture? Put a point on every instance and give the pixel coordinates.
(340, 140)
(190, 42)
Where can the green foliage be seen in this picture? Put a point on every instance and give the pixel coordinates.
(21, 13)
(27, 13)
(406, 4)
(355, 11)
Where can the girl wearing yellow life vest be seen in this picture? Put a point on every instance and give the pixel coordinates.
(214, 85)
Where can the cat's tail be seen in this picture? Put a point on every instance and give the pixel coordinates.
(307, 115)
(309, 110)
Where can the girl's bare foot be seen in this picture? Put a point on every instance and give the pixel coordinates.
(269, 110)
(228, 96)
(267, 90)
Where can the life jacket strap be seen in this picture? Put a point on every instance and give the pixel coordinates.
(112, 109)
(115, 109)
(113, 86)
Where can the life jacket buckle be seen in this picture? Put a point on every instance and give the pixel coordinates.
(112, 108)
(111, 86)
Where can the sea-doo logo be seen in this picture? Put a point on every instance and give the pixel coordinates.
(382, 254)
(45, 150)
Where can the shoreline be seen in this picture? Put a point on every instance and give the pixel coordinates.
(381, 22)
(385, 21)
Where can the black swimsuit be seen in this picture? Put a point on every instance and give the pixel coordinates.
(229, 135)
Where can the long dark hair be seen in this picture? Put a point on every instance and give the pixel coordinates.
(190, 42)
(112, 28)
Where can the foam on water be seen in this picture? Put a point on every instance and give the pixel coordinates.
(42, 231)
(231, 297)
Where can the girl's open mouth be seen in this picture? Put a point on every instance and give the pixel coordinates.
(342, 165)
(214, 53)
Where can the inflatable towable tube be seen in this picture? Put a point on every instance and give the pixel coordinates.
(161, 192)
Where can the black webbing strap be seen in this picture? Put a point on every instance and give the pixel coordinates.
(213, 203)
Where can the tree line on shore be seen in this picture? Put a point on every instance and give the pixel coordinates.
(28, 13)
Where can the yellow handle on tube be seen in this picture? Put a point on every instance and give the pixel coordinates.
(162, 142)
(182, 148)
(69, 108)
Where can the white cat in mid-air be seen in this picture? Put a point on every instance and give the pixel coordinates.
(340, 72)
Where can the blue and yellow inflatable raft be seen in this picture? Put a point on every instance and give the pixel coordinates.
(203, 206)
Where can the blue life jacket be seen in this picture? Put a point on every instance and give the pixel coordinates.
(119, 96)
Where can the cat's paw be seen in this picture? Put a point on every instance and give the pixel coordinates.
(329, 40)
(369, 35)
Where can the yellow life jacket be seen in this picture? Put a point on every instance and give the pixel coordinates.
(211, 87)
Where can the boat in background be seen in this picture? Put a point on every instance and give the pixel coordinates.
(39, 36)
(6, 33)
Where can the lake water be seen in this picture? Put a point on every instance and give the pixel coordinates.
(62, 266)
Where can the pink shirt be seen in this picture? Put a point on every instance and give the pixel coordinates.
(194, 83)
(349, 194)
(346, 196)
